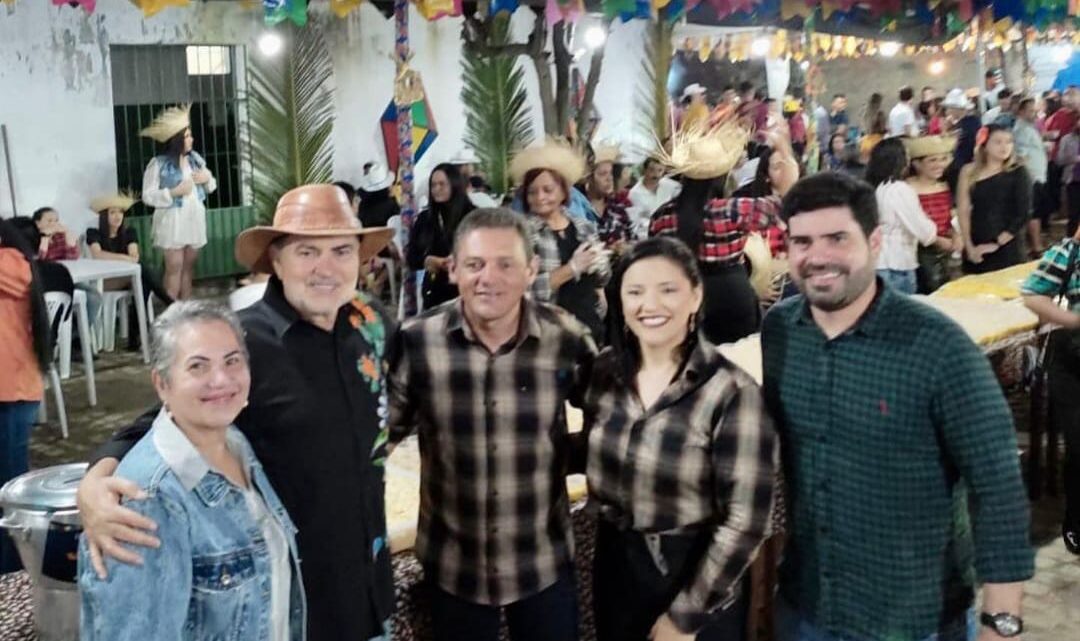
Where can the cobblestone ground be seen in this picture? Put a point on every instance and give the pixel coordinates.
(1053, 597)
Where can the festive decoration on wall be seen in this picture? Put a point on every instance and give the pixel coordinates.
(435, 9)
(422, 134)
(151, 8)
(87, 5)
(343, 8)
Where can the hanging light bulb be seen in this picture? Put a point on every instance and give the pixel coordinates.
(936, 67)
(595, 37)
(270, 44)
(889, 49)
(760, 47)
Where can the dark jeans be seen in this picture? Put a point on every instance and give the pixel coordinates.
(1063, 381)
(933, 269)
(630, 593)
(16, 419)
(550, 615)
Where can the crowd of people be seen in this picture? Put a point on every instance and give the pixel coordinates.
(250, 503)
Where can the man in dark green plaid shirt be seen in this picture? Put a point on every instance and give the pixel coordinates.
(892, 425)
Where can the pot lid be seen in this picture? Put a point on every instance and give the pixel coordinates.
(47, 490)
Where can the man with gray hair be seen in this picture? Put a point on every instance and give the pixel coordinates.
(317, 348)
(483, 380)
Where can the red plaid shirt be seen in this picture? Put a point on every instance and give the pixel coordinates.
(727, 222)
(59, 249)
(614, 226)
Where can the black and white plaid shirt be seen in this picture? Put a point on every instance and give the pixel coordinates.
(494, 514)
(704, 455)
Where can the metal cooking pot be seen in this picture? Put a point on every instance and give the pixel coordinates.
(40, 514)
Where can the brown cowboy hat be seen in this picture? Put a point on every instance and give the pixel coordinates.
(309, 210)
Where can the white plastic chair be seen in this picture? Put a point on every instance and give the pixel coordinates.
(246, 296)
(114, 306)
(86, 340)
(57, 304)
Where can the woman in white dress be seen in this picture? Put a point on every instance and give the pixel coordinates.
(175, 184)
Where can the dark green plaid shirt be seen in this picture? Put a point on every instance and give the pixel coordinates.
(886, 431)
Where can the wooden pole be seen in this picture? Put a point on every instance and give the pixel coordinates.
(10, 173)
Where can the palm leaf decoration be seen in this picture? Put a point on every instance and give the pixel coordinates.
(497, 121)
(652, 96)
(292, 118)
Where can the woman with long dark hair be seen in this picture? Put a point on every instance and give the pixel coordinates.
(25, 351)
(176, 183)
(717, 229)
(930, 157)
(432, 240)
(993, 203)
(904, 224)
(665, 409)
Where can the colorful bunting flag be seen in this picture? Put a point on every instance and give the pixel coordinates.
(151, 8)
(498, 6)
(563, 11)
(277, 11)
(87, 5)
(343, 8)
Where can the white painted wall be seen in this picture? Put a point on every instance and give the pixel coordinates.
(56, 87)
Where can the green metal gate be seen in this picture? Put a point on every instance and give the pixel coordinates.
(212, 79)
(217, 259)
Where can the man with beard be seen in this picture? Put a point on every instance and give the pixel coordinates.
(889, 417)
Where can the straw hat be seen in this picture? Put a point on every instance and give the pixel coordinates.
(929, 146)
(168, 123)
(606, 153)
(557, 156)
(703, 151)
(122, 200)
(309, 210)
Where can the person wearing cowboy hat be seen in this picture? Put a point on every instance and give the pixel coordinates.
(466, 161)
(696, 108)
(113, 240)
(176, 183)
(377, 204)
(929, 157)
(315, 416)
(962, 124)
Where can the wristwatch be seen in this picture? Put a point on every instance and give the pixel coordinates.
(1005, 624)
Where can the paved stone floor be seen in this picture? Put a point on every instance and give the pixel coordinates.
(1053, 597)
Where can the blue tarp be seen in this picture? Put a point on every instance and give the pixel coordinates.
(1070, 75)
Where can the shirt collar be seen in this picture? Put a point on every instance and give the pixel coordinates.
(284, 315)
(873, 321)
(529, 325)
(181, 456)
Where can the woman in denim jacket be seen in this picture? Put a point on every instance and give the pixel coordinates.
(227, 566)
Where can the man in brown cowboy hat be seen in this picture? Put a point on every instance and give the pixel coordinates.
(316, 348)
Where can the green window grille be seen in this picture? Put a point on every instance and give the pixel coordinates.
(211, 78)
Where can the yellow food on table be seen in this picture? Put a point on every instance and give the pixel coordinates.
(986, 320)
(1003, 284)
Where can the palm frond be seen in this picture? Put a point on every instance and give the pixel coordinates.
(497, 122)
(292, 118)
(652, 96)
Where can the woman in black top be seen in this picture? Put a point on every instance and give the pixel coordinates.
(690, 431)
(993, 203)
(432, 237)
(113, 240)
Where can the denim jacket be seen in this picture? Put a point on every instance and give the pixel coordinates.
(210, 578)
(170, 175)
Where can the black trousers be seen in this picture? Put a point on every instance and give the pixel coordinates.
(630, 593)
(1063, 381)
(1072, 196)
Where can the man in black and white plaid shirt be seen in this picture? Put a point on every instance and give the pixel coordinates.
(483, 380)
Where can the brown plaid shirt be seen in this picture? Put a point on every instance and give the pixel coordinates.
(704, 455)
(494, 515)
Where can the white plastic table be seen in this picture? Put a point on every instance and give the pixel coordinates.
(91, 270)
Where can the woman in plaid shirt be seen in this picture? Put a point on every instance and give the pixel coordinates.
(681, 462)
